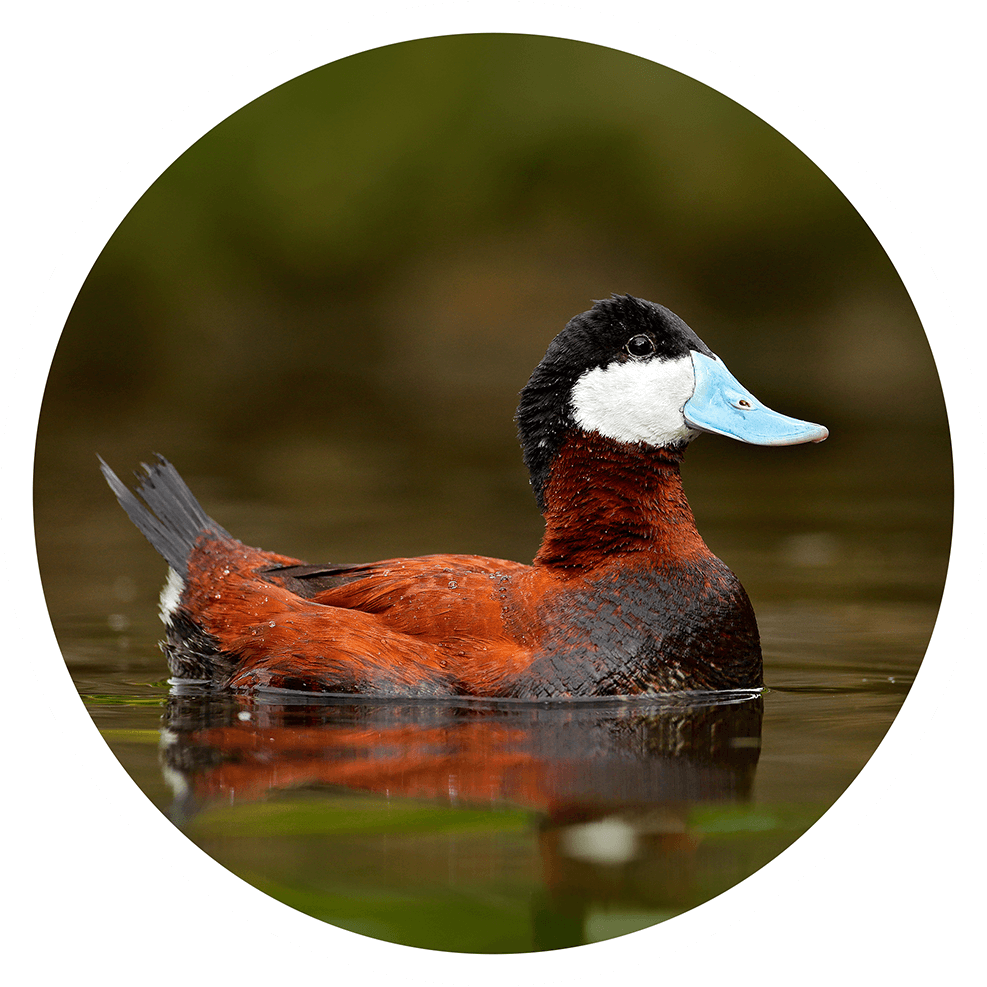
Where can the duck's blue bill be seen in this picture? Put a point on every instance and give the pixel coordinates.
(721, 404)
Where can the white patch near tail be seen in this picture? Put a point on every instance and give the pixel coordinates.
(171, 594)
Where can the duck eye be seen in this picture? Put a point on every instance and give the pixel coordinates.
(640, 346)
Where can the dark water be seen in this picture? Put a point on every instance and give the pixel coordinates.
(499, 828)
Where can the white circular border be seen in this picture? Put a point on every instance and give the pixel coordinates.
(577, 24)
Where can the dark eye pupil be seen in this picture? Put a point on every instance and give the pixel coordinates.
(640, 346)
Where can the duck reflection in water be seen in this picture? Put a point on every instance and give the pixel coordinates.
(610, 785)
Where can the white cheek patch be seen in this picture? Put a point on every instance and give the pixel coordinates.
(637, 402)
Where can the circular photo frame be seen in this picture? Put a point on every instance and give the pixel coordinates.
(779, 112)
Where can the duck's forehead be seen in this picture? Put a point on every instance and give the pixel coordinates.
(678, 338)
(600, 335)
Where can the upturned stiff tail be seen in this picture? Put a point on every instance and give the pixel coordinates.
(173, 521)
(170, 518)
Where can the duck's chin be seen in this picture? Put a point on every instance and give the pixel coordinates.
(671, 450)
(682, 444)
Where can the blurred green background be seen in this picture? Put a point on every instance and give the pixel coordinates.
(329, 303)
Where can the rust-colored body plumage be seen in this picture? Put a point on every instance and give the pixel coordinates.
(610, 607)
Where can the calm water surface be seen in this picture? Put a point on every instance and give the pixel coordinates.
(510, 827)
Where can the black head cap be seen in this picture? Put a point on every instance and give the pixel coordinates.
(593, 339)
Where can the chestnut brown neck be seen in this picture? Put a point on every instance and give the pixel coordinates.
(607, 498)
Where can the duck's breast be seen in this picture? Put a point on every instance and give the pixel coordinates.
(644, 626)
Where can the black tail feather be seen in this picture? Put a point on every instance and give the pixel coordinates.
(170, 518)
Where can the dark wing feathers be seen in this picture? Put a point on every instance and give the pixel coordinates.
(308, 580)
